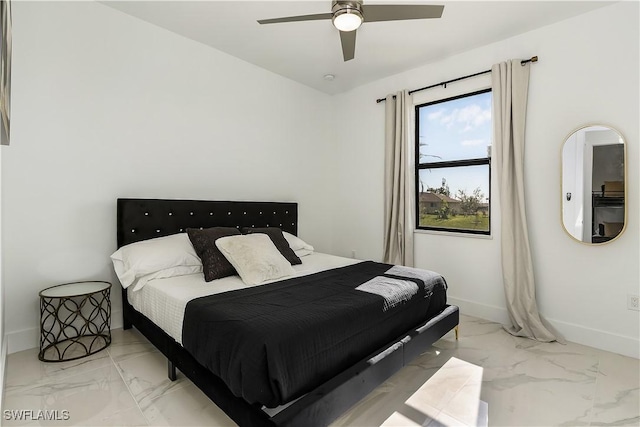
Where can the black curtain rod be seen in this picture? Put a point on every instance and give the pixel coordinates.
(444, 84)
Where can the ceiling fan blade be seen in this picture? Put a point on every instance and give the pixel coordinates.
(315, 17)
(376, 13)
(348, 39)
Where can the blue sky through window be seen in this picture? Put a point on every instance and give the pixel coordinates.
(456, 130)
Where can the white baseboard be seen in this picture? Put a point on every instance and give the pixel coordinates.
(482, 311)
(3, 366)
(627, 346)
(116, 319)
(23, 339)
(26, 339)
(615, 343)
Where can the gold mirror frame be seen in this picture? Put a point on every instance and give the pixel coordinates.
(592, 204)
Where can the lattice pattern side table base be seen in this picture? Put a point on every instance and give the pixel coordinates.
(72, 327)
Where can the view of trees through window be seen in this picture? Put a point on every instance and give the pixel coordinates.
(453, 164)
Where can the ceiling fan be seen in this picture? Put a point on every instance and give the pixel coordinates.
(347, 16)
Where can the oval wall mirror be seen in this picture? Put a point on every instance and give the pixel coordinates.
(593, 184)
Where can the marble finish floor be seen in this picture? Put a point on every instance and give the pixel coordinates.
(486, 375)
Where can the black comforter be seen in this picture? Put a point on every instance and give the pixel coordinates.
(273, 343)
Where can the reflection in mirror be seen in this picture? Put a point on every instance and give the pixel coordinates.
(593, 184)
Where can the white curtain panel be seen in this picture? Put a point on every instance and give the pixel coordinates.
(398, 181)
(510, 86)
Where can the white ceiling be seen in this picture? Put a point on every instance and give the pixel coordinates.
(306, 51)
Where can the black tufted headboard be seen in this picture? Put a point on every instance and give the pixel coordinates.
(142, 219)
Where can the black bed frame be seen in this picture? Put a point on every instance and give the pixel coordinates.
(142, 219)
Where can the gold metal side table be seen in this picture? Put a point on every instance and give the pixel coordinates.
(75, 320)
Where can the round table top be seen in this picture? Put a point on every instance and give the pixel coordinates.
(74, 289)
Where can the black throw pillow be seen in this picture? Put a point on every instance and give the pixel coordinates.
(276, 236)
(214, 264)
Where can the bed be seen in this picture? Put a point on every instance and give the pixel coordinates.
(293, 404)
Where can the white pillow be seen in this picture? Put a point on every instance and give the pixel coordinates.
(180, 270)
(297, 243)
(158, 256)
(302, 252)
(255, 258)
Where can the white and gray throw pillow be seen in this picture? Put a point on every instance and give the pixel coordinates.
(255, 258)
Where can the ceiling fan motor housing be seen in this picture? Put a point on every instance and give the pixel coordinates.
(346, 7)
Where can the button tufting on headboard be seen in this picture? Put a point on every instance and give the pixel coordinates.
(150, 218)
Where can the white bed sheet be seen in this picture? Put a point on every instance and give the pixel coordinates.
(163, 301)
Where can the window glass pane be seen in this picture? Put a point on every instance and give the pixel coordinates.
(456, 129)
(455, 198)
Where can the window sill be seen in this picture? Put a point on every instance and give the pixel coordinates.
(453, 234)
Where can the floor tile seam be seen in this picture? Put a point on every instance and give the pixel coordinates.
(432, 418)
(154, 350)
(462, 423)
(595, 393)
(443, 409)
(188, 383)
(147, 399)
(52, 381)
(137, 405)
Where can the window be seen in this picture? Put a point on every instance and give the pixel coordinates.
(453, 164)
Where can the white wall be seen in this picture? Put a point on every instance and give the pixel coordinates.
(3, 340)
(587, 73)
(105, 106)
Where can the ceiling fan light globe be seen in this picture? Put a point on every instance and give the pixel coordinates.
(348, 20)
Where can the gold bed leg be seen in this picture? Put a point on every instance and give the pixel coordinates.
(456, 329)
